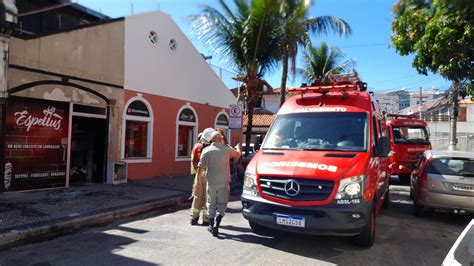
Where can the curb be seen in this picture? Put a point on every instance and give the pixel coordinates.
(14, 236)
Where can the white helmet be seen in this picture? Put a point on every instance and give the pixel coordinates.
(209, 133)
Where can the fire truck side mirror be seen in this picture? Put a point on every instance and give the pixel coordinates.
(384, 145)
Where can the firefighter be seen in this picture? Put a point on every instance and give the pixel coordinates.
(200, 183)
(215, 160)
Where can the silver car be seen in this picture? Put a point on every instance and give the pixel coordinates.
(443, 180)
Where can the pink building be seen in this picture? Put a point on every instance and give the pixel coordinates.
(131, 90)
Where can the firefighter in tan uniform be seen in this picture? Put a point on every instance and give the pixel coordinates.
(215, 161)
(200, 183)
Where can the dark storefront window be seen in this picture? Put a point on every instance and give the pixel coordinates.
(136, 137)
(137, 131)
(187, 124)
(185, 140)
(223, 123)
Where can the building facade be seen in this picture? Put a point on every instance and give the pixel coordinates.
(87, 101)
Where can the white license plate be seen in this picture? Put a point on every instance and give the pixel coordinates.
(295, 221)
(463, 188)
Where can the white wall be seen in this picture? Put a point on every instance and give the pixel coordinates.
(272, 102)
(470, 112)
(462, 127)
(156, 69)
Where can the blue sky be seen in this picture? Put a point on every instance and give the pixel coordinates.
(378, 64)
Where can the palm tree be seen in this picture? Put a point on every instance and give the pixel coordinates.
(322, 60)
(295, 25)
(247, 38)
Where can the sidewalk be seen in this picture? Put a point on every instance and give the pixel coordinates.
(28, 215)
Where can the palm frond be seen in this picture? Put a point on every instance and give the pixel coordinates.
(322, 60)
(326, 24)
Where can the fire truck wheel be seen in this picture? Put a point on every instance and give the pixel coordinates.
(366, 237)
(259, 229)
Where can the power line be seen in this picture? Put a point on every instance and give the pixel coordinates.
(394, 79)
(413, 84)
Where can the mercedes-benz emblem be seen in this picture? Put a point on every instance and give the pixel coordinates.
(292, 188)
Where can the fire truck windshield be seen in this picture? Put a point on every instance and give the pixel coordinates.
(410, 135)
(319, 131)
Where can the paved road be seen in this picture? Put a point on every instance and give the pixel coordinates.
(166, 238)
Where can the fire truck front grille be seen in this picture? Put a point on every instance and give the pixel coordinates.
(296, 189)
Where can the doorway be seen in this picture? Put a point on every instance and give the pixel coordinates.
(88, 146)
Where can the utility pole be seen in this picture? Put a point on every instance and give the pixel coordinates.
(420, 101)
(453, 117)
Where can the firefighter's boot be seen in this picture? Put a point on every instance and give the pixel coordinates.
(194, 221)
(211, 225)
(217, 222)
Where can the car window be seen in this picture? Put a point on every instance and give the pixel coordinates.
(452, 166)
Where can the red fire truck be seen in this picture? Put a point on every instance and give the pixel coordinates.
(323, 166)
(409, 139)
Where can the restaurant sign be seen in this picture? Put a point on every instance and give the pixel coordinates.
(35, 144)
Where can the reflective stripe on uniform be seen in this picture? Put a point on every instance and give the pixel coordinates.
(195, 212)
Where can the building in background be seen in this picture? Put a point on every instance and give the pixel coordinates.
(262, 120)
(426, 95)
(264, 113)
(438, 122)
(436, 112)
(49, 16)
(396, 100)
(89, 94)
(393, 101)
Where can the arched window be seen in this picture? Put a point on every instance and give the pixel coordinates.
(137, 131)
(222, 121)
(186, 131)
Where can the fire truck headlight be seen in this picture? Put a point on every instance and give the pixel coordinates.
(351, 188)
(250, 184)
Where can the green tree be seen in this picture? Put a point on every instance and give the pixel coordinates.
(296, 25)
(246, 37)
(441, 35)
(322, 60)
